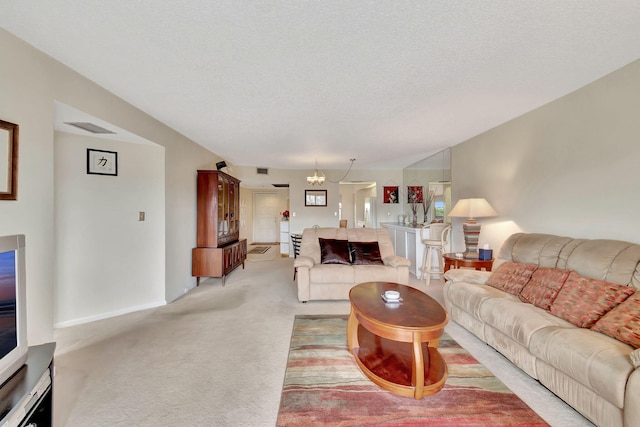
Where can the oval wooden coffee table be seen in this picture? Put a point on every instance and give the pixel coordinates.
(396, 345)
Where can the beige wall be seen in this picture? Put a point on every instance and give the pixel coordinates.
(567, 168)
(103, 252)
(30, 82)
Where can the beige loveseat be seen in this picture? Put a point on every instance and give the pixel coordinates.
(591, 371)
(318, 281)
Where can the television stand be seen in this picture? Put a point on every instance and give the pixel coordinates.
(26, 398)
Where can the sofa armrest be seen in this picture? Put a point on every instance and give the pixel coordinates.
(635, 358)
(631, 407)
(474, 277)
(396, 261)
(303, 261)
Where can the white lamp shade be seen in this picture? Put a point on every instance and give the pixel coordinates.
(472, 208)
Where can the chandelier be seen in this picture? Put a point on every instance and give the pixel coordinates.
(315, 179)
(319, 178)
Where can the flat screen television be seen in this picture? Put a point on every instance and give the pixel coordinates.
(13, 306)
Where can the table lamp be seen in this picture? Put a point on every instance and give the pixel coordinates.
(471, 209)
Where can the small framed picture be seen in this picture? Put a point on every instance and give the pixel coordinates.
(100, 162)
(315, 197)
(391, 195)
(414, 194)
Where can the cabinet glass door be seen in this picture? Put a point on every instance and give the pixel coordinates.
(233, 208)
(223, 207)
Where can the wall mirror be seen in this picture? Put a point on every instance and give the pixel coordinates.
(8, 161)
(433, 174)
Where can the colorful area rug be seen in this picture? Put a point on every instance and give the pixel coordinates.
(324, 386)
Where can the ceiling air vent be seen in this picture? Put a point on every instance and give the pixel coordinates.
(262, 171)
(281, 185)
(89, 127)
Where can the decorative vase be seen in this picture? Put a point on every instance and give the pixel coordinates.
(414, 213)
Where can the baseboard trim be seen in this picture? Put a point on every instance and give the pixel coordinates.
(107, 315)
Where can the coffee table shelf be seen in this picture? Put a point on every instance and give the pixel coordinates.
(396, 345)
(389, 364)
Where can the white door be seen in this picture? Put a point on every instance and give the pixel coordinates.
(266, 217)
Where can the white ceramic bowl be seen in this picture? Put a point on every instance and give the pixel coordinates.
(392, 295)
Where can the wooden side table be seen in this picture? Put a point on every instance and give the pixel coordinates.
(451, 261)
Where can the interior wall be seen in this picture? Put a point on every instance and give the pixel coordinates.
(347, 198)
(567, 168)
(327, 217)
(30, 83)
(246, 214)
(362, 193)
(107, 261)
(352, 196)
(307, 216)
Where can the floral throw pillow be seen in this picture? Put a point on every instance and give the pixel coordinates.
(511, 276)
(583, 301)
(544, 286)
(623, 322)
(333, 251)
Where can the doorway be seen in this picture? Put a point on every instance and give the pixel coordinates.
(358, 204)
(266, 217)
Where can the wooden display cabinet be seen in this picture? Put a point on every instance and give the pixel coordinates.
(218, 209)
(219, 249)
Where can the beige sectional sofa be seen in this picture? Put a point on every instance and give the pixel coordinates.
(575, 335)
(333, 280)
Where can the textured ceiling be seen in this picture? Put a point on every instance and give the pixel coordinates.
(282, 83)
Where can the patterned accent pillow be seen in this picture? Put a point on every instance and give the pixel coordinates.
(544, 286)
(583, 301)
(623, 322)
(333, 251)
(365, 253)
(511, 276)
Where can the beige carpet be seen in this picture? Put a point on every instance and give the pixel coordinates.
(217, 357)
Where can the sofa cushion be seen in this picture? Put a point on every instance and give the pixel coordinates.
(334, 251)
(623, 322)
(374, 273)
(595, 360)
(469, 297)
(331, 273)
(517, 320)
(544, 286)
(365, 253)
(467, 275)
(583, 301)
(511, 276)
